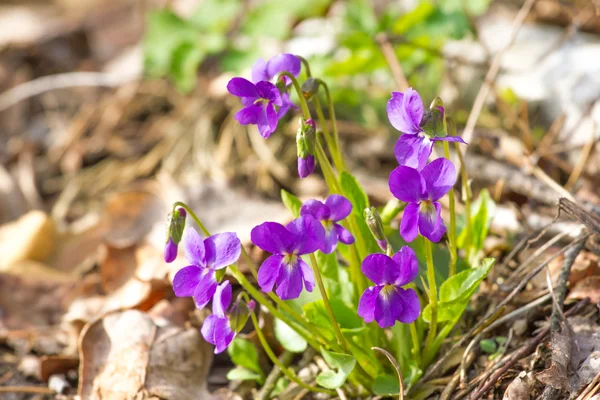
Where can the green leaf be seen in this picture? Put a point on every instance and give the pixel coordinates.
(355, 193)
(317, 315)
(456, 292)
(386, 385)
(488, 346)
(244, 374)
(482, 213)
(342, 365)
(244, 354)
(291, 202)
(185, 62)
(413, 18)
(216, 15)
(280, 386)
(289, 339)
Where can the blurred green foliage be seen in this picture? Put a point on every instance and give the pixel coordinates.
(237, 33)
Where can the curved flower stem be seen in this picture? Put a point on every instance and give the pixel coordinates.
(467, 198)
(281, 303)
(336, 327)
(298, 89)
(452, 230)
(286, 371)
(300, 324)
(330, 141)
(340, 164)
(306, 65)
(432, 293)
(328, 173)
(193, 215)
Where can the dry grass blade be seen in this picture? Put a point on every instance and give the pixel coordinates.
(396, 367)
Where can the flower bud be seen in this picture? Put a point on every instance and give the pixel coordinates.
(240, 312)
(306, 166)
(310, 87)
(376, 226)
(433, 120)
(175, 227)
(305, 144)
(170, 251)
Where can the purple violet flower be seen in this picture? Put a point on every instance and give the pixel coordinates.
(405, 111)
(421, 190)
(285, 267)
(413, 148)
(260, 100)
(217, 329)
(205, 256)
(335, 209)
(387, 302)
(266, 70)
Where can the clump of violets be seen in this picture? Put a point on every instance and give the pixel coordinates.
(422, 190)
(405, 112)
(205, 256)
(220, 328)
(175, 226)
(333, 210)
(285, 268)
(387, 301)
(264, 103)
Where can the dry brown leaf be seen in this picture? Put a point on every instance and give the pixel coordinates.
(31, 237)
(520, 388)
(557, 375)
(131, 215)
(51, 365)
(587, 287)
(125, 355)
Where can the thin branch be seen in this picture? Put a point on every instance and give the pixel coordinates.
(61, 81)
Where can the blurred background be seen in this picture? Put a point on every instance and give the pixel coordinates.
(111, 110)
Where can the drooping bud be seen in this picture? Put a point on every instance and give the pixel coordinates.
(310, 87)
(375, 225)
(170, 251)
(240, 312)
(305, 144)
(433, 120)
(306, 166)
(175, 227)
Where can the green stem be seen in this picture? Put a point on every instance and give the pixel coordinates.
(336, 140)
(306, 66)
(336, 327)
(303, 331)
(391, 209)
(298, 89)
(452, 230)
(328, 139)
(193, 215)
(300, 324)
(430, 352)
(467, 194)
(415, 339)
(328, 173)
(432, 293)
(286, 371)
(282, 303)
